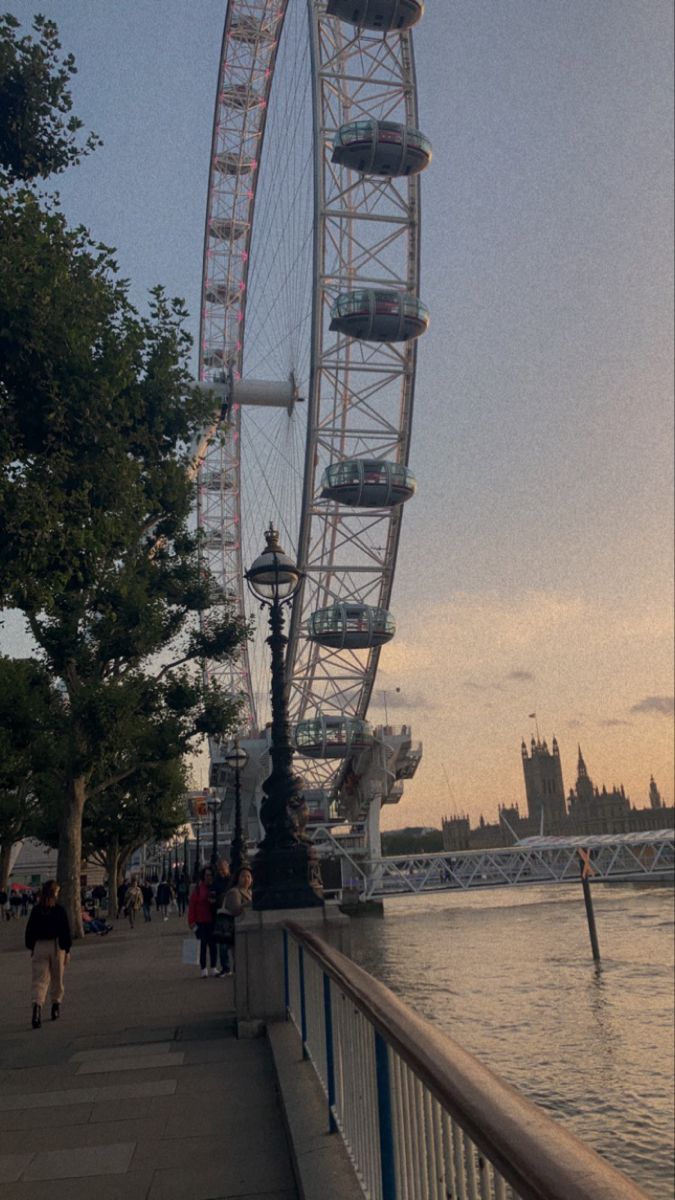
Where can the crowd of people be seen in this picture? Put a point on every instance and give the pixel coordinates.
(212, 904)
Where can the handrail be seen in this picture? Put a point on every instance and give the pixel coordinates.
(539, 1158)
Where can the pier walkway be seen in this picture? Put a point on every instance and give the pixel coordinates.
(140, 1091)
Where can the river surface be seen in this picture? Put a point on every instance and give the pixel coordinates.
(509, 974)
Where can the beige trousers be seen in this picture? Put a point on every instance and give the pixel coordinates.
(48, 963)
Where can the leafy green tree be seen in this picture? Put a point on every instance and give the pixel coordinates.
(28, 711)
(97, 416)
(38, 133)
(149, 808)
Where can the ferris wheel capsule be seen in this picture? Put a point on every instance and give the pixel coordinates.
(240, 96)
(381, 148)
(249, 30)
(384, 16)
(233, 164)
(368, 483)
(226, 229)
(371, 315)
(332, 737)
(351, 626)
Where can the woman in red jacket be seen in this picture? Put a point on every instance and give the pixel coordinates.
(202, 918)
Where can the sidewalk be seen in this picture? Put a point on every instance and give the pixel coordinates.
(140, 1091)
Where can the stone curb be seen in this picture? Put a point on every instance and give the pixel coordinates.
(321, 1164)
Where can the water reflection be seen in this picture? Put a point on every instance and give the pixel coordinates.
(511, 977)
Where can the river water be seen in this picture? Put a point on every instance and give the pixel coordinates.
(509, 974)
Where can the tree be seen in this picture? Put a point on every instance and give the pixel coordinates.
(38, 134)
(97, 414)
(27, 711)
(151, 807)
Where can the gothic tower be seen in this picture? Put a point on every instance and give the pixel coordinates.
(544, 784)
(584, 788)
(655, 800)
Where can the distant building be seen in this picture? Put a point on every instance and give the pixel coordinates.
(587, 809)
(544, 788)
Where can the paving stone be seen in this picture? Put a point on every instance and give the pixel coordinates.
(132, 1186)
(111, 1053)
(129, 1091)
(62, 1137)
(145, 1062)
(12, 1166)
(206, 1182)
(80, 1162)
(24, 1118)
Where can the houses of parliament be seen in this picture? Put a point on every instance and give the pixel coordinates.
(586, 810)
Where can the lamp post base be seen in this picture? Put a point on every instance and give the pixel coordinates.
(288, 878)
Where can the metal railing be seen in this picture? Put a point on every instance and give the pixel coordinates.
(420, 1117)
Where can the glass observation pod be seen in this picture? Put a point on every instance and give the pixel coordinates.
(215, 356)
(227, 229)
(248, 29)
(332, 737)
(233, 164)
(374, 316)
(239, 96)
(381, 148)
(213, 481)
(220, 293)
(384, 16)
(215, 539)
(351, 626)
(368, 483)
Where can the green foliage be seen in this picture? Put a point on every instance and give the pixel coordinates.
(97, 416)
(29, 713)
(38, 133)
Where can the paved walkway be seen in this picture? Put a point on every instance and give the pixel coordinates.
(140, 1091)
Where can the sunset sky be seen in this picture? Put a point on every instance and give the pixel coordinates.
(536, 564)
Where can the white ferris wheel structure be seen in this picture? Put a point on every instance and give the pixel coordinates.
(310, 314)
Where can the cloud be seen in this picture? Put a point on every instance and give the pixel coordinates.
(575, 723)
(611, 721)
(521, 676)
(664, 705)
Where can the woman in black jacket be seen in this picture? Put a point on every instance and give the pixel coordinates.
(49, 941)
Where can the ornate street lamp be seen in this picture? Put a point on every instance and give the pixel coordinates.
(213, 804)
(285, 869)
(237, 759)
(198, 855)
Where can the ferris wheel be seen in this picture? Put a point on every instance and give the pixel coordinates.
(309, 319)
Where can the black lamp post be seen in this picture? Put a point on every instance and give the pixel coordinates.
(213, 804)
(198, 855)
(237, 759)
(285, 869)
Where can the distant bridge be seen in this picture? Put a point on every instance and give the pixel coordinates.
(629, 857)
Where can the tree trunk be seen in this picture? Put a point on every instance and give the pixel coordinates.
(69, 866)
(5, 859)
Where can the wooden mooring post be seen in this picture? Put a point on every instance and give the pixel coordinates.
(586, 872)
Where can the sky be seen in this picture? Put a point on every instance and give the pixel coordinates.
(536, 564)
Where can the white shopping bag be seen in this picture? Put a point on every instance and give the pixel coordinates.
(190, 952)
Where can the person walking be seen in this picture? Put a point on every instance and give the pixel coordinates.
(121, 894)
(202, 917)
(163, 898)
(182, 890)
(48, 939)
(132, 902)
(148, 894)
